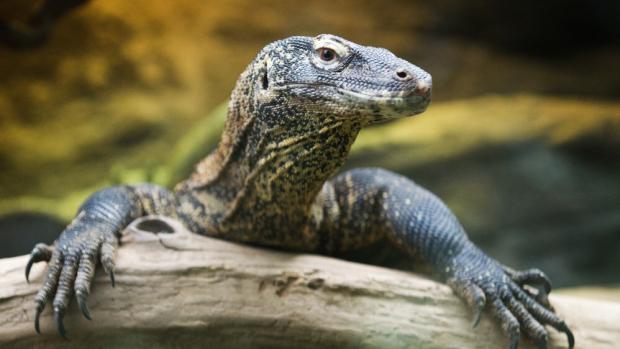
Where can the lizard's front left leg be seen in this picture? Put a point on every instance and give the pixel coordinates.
(373, 204)
(92, 236)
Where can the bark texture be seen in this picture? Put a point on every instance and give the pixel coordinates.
(183, 290)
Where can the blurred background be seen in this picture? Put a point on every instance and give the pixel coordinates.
(522, 139)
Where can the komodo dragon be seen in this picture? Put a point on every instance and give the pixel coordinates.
(292, 118)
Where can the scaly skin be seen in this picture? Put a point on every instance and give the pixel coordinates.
(293, 116)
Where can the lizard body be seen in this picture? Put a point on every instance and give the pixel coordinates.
(293, 116)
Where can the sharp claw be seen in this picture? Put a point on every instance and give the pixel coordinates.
(36, 319)
(84, 307)
(547, 285)
(58, 316)
(112, 278)
(514, 342)
(476, 318)
(28, 267)
(569, 334)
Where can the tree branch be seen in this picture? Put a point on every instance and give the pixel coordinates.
(184, 290)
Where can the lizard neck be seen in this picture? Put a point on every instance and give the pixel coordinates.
(280, 171)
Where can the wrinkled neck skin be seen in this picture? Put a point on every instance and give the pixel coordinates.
(276, 152)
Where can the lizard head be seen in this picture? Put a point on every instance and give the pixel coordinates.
(328, 75)
(294, 114)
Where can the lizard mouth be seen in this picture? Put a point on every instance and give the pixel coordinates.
(387, 103)
(401, 103)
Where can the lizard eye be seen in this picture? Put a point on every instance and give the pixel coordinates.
(327, 54)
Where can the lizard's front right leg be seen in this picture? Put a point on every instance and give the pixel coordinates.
(374, 203)
(92, 236)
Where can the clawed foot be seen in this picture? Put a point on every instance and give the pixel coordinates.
(485, 283)
(71, 269)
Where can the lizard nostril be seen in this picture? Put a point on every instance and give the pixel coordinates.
(402, 75)
(422, 87)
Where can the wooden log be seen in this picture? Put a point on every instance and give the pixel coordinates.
(183, 290)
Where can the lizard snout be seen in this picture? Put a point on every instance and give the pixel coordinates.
(422, 83)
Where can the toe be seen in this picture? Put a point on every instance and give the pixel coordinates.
(530, 326)
(542, 314)
(40, 253)
(108, 247)
(85, 273)
(472, 295)
(533, 277)
(49, 287)
(508, 322)
(63, 292)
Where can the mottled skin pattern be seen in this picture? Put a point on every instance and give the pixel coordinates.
(293, 116)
